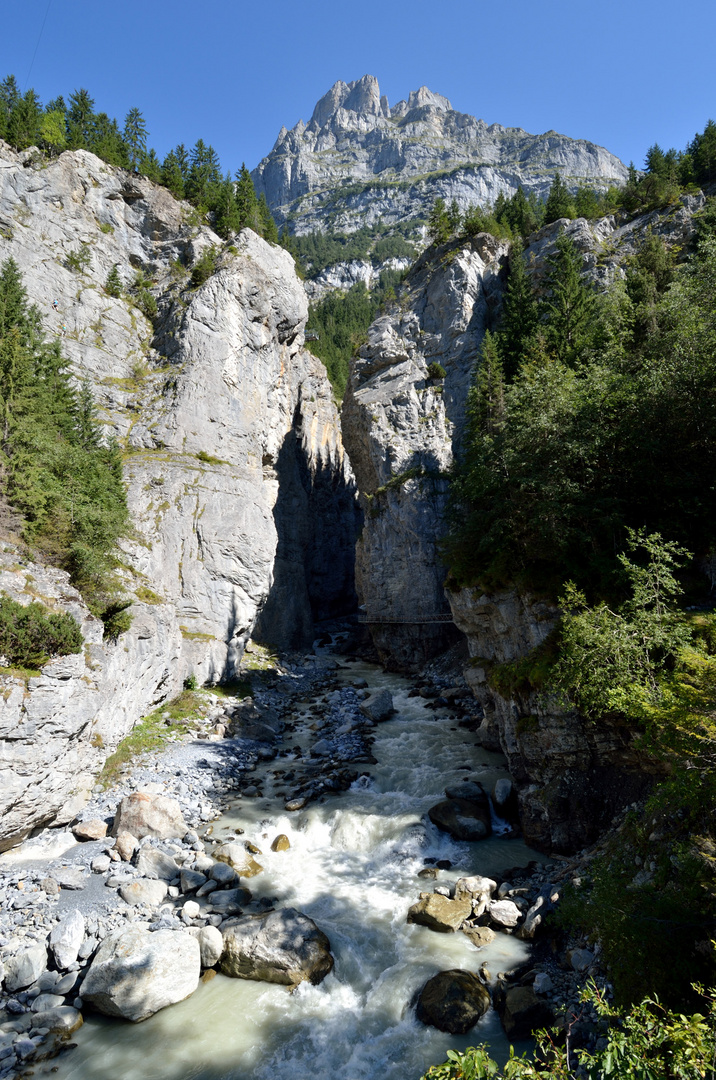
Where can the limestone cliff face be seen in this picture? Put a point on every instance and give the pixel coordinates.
(358, 160)
(57, 728)
(242, 498)
(572, 775)
(401, 428)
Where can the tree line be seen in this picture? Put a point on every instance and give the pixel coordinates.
(193, 174)
(666, 176)
(58, 471)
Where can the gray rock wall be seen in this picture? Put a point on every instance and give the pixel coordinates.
(571, 775)
(238, 485)
(393, 162)
(401, 430)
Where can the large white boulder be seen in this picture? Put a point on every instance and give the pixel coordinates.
(136, 973)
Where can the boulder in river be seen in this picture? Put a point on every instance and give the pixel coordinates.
(453, 1001)
(379, 706)
(144, 814)
(479, 935)
(504, 913)
(239, 858)
(282, 947)
(281, 843)
(464, 819)
(136, 973)
(143, 891)
(439, 913)
(522, 1012)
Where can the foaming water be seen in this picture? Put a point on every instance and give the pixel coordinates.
(352, 867)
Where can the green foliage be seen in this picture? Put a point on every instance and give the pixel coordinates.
(436, 371)
(607, 424)
(559, 202)
(315, 251)
(440, 224)
(533, 672)
(135, 137)
(30, 634)
(649, 1042)
(113, 285)
(341, 320)
(146, 303)
(55, 469)
(79, 260)
(117, 619)
(204, 267)
(190, 683)
(610, 660)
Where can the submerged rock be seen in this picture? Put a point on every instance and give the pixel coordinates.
(238, 858)
(453, 1001)
(136, 973)
(379, 706)
(463, 819)
(282, 947)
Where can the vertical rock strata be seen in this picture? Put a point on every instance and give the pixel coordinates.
(242, 498)
(401, 428)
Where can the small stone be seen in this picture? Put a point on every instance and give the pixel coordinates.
(191, 910)
(191, 880)
(281, 843)
(66, 938)
(295, 804)
(125, 845)
(49, 886)
(100, 864)
(143, 891)
(504, 912)
(211, 944)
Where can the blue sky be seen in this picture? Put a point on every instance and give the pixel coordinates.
(623, 74)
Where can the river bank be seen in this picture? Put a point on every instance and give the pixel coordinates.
(359, 849)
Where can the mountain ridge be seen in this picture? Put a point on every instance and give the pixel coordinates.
(413, 152)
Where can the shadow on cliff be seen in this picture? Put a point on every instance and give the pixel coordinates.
(317, 521)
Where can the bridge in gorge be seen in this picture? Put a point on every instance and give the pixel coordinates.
(393, 620)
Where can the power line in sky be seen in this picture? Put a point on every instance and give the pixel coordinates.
(37, 46)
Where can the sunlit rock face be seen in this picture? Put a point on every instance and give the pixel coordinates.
(401, 428)
(358, 160)
(242, 498)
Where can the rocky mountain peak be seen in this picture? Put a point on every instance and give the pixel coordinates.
(403, 157)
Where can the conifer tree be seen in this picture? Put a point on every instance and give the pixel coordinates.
(24, 121)
(269, 229)
(172, 176)
(486, 399)
(135, 136)
(570, 304)
(439, 222)
(226, 219)
(204, 178)
(150, 166)
(520, 315)
(79, 117)
(246, 201)
(559, 202)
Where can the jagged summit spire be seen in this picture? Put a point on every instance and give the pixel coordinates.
(363, 97)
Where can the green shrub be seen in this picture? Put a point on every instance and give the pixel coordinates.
(647, 1043)
(106, 228)
(79, 260)
(203, 268)
(147, 304)
(117, 619)
(30, 634)
(113, 285)
(436, 371)
(190, 683)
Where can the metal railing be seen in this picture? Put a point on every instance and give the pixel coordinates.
(375, 620)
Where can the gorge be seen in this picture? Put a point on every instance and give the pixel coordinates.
(282, 545)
